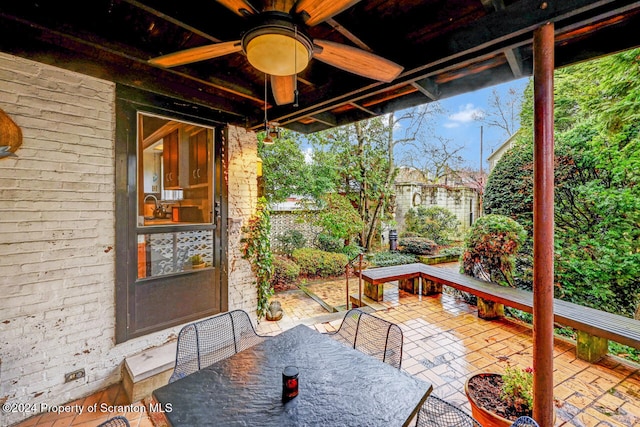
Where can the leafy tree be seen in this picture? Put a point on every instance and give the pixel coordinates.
(336, 216)
(509, 189)
(436, 223)
(358, 161)
(597, 197)
(286, 172)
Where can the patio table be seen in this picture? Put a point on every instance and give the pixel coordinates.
(338, 386)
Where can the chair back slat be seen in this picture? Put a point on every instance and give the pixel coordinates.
(208, 341)
(117, 421)
(371, 335)
(436, 412)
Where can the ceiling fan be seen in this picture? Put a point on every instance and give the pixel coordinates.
(278, 45)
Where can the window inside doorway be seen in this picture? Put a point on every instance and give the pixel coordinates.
(175, 194)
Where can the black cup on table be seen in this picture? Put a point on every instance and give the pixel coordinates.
(289, 383)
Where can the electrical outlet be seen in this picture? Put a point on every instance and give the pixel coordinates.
(75, 375)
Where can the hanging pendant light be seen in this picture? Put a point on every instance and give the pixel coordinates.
(271, 129)
(268, 139)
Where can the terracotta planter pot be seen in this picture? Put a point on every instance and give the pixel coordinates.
(484, 417)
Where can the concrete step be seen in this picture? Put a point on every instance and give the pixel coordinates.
(144, 372)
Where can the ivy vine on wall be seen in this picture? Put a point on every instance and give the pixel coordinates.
(257, 249)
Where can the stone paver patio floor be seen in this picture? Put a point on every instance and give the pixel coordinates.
(445, 343)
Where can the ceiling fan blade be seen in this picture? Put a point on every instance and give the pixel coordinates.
(321, 10)
(357, 61)
(284, 6)
(197, 54)
(239, 7)
(282, 88)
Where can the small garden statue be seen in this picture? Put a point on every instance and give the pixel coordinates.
(274, 312)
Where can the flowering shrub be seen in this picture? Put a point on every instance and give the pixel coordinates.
(517, 388)
(490, 248)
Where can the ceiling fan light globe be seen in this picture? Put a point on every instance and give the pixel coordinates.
(277, 54)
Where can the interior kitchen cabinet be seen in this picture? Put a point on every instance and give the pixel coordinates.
(199, 158)
(175, 172)
(171, 160)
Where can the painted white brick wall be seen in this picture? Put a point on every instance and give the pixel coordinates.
(57, 234)
(242, 180)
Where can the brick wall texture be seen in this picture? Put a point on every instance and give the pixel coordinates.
(57, 234)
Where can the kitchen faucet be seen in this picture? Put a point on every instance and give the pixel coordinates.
(154, 198)
(155, 206)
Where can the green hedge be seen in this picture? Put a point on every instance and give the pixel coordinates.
(385, 259)
(317, 263)
(285, 271)
(417, 245)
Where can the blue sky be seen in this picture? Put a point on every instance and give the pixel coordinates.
(457, 123)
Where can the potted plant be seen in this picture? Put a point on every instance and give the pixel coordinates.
(497, 400)
(197, 261)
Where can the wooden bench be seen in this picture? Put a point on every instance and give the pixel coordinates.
(594, 327)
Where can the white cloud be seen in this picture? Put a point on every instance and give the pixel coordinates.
(466, 113)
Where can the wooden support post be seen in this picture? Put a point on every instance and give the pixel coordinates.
(543, 187)
(591, 348)
(429, 287)
(410, 285)
(489, 310)
(374, 292)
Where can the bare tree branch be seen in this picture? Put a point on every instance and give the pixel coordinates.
(503, 113)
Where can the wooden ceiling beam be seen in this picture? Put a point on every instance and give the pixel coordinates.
(348, 34)
(85, 57)
(174, 21)
(428, 88)
(360, 107)
(326, 118)
(515, 61)
(507, 29)
(80, 42)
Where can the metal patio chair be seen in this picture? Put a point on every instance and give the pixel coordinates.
(118, 421)
(205, 342)
(436, 412)
(371, 335)
(525, 422)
